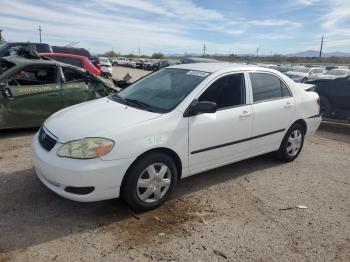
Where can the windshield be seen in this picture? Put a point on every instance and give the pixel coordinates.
(338, 72)
(162, 91)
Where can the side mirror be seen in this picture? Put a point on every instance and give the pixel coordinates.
(202, 107)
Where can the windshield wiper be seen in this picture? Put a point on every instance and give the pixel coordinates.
(140, 103)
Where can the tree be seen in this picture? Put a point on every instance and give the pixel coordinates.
(110, 54)
(157, 55)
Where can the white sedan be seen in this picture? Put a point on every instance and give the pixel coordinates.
(177, 122)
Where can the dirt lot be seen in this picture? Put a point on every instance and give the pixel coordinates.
(241, 212)
(119, 72)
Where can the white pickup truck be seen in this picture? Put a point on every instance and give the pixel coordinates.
(119, 61)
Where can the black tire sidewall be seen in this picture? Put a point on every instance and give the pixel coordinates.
(129, 189)
(283, 148)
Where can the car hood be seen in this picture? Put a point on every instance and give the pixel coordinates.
(98, 118)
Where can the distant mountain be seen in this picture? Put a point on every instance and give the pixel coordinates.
(314, 53)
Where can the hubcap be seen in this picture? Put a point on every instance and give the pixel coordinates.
(153, 182)
(294, 143)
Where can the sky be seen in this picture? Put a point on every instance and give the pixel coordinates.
(181, 26)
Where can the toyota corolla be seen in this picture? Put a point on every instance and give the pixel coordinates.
(177, 122)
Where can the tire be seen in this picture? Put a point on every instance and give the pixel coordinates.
(289, 148)
(114, 64)
(144, 187)
(325, 108)
(303, 80)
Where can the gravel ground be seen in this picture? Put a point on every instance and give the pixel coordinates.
(119, 72)
(241, 212)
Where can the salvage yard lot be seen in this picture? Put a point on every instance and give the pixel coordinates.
(240, 212)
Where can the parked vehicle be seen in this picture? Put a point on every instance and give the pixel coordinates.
(120, 61)
(33, 89)
(106, 67)
(331, 74)
(96, 62)
(76, 60)
(335, 96)
(11, 48)
(149, 65)
(172, 124)
(71, 50)
(160, 64)
(302, 74)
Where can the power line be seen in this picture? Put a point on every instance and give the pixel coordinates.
(321, 46)
(40, 30)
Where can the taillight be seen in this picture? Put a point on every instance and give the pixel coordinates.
(318, 101)
(98, 65)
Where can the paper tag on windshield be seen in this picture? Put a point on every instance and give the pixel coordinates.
(197, 73)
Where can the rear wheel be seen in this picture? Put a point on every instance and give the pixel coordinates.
(292, 143)
(149, 181)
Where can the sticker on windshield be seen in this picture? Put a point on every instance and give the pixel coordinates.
(197, 73)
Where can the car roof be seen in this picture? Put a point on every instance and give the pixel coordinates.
(18, 60)
(21, 60)
(214, 67)
(64, 55)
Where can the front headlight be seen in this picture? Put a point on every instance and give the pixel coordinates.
(86, 148)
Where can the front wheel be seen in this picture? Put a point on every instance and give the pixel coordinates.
(149, 181)
(292, 143)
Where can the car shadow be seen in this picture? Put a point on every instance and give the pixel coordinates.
(31, 214)
(12, 133)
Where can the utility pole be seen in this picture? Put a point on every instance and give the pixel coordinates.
(1, 40)
(257, 51)
(321, 46)
(40, 30)
(204, 49)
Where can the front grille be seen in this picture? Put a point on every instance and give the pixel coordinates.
(45, 140)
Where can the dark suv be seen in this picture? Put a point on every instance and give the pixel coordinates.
(11, 48)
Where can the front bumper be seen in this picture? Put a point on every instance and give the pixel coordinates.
(59, 173)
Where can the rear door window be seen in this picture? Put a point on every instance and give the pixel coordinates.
(267, 87)
(34, 75)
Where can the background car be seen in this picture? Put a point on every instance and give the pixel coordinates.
(96, 62)
(33, 89)
(160, 64)
(8, 49)
(334, 96)
(71, 50)
(302, 74)
(106, 67)
(76, 60)
(331, 74)
(119, 61)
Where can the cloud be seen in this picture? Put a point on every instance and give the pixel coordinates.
(159, 25)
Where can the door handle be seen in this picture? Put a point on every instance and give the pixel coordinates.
(245, 114)
(288, 105)
(54, 94)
